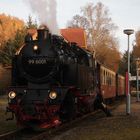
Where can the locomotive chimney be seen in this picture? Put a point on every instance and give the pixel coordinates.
(43, 34)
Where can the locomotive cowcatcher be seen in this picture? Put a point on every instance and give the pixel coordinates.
(53, 81)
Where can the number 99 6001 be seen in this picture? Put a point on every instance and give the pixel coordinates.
(37, 61)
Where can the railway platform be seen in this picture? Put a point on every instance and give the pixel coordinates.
(99, 127)
(134, 108)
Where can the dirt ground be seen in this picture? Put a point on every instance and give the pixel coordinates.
(118, 127)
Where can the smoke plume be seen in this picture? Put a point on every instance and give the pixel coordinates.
(46, 13)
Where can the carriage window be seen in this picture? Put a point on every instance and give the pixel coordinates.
(107, 78)
(104, 77)
(111, 79)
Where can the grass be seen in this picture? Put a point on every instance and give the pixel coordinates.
(5, 126)
(3, 100)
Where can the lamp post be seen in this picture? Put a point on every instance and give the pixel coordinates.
(128, 32)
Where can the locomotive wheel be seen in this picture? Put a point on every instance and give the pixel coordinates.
(68, 108)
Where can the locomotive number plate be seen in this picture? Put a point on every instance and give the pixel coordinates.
(37, 61)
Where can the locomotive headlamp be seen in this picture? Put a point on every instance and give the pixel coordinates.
(35, 48)
(53, 95)
(12, 94)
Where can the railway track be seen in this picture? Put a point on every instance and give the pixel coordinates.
(10, 135)
(25, 134)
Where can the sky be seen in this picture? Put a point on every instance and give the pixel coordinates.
(124, 13)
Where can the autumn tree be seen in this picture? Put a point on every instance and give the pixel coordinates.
(134, 54)
(13, 31)
(11, 46)
(100, 32)
(31, 24)
(79, 21)
(136, 51)
(8, 28)
(123, 66)
(136, 46)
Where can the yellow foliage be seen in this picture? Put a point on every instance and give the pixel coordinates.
(136, 47)
(8, 27)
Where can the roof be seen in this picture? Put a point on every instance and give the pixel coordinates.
(75, 35)
(33, 33)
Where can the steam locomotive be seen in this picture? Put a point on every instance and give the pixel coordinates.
(53, 81)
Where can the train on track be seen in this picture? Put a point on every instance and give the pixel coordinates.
(54, 80)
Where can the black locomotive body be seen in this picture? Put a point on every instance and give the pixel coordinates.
(52, 81)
